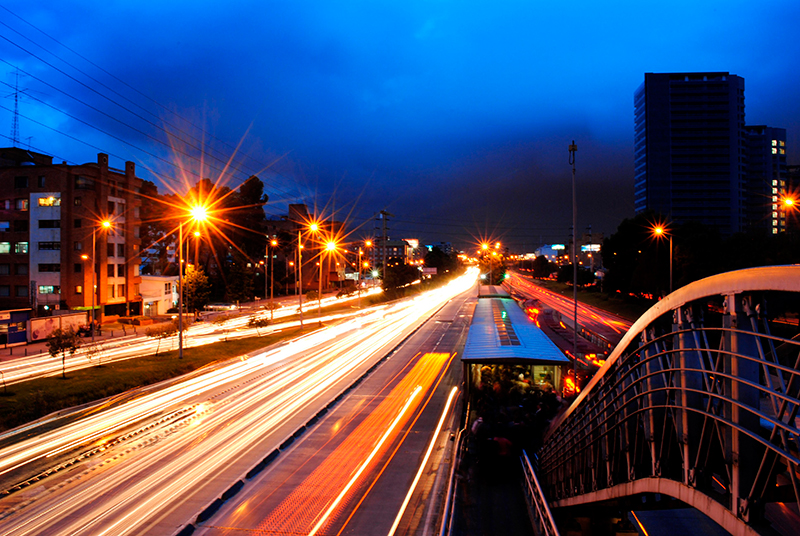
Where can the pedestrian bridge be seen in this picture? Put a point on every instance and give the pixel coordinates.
(699, 401)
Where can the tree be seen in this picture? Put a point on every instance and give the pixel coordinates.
(565, 275)
(63, 341)
(196, 290)
(398, 276)
(542, 267)
(164, 331)
(258, 322)
(240, 280)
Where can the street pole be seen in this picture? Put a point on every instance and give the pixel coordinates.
(180, 290)
(300, 273)
(94, 285)
(358, 278)
(266, 256)
(572, 150)
(670, 263)
(319, 298)
(271, 285)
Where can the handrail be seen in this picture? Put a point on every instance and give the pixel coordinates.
(543, 517)
(447, 512)
(692, 391)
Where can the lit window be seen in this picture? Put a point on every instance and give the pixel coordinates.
(774, 231)
(783, 151)
(774, 190)
(49, 289)
(774, 214)
(5, 226)
(774, 143)
(783, 143)
(78, 289)
(5, 247)
(21, 247)
(50, 201)
(22, 204)
(774, 182)
(774, 150)
(774, 198)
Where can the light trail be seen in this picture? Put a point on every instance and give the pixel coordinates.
(424, 463)
(167, 446)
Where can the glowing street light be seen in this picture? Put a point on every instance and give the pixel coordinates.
(197, 214)
(105, 224)
(660, 231)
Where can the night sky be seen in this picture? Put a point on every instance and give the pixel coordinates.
(454, 116)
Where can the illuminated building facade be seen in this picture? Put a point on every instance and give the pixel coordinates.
(766, 178)
(48, 214)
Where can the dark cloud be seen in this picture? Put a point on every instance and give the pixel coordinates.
(455, 116)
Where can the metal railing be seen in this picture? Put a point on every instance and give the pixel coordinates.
(542, 518)
(699, 401)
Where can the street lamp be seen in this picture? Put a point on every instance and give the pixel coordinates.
(660, 231)
(312, 227)
(197, 214)
(105, 224)
(272, 243)
(330, 247)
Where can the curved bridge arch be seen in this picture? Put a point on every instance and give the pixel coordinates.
(699, 401)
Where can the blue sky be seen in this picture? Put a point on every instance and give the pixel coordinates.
(454, 116)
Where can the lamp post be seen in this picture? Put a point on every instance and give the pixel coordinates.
(272, 243)
(573, 149)
(330, 247)
(660, 231)
(300, 274)
(105, 224)
(198, 214)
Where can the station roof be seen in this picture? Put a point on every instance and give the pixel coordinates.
(502, 333)
(492, 291)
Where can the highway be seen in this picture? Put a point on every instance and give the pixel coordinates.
(151, 464)
(363, 468)
(21, 368)
(607, 325)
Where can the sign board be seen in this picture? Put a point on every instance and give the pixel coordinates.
(428, 271)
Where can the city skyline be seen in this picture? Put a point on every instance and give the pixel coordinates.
(454, 118)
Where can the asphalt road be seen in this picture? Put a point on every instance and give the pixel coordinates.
(149, 466)
(316, 487)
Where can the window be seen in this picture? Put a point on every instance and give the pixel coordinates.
(110, 207)
(84, 183)
(21, 226)
(77, 223)
(49, 246)
(110, 291)
(21, 247)
(120, 250)
(50, 267)
(136, 231)
(167, 288)
(5, 226)
(77, 201)
(50, 201)
(49, 224)
(5, 290)
(20, 182)
(78, 289)
(120, 270)
(6, 204)
(21, 204)
(21, 291)
(110, 250)
(5, 247)
(120, 291)
(77, 268)
(5, 269)
(40, 181)
(21, 269)
(136, 290)
(49, 289)
(110, 269)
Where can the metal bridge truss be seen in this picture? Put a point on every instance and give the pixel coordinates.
(699, 402)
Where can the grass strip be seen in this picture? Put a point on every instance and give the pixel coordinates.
(28, 401)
